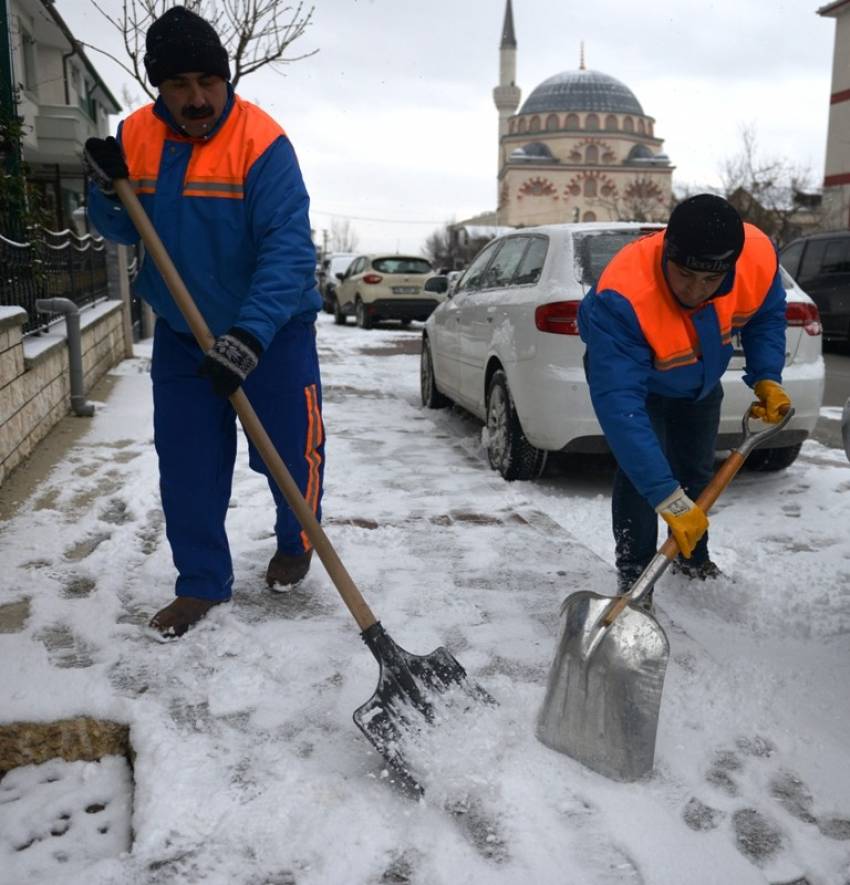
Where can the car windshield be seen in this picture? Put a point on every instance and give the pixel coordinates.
(594, 249)
(401, 264)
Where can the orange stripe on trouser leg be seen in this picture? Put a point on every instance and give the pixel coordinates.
(311, 454)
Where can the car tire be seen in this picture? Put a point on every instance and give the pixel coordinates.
(363, 318)
(339, 316)
(772, 459)
(431, 396)
(508, 451)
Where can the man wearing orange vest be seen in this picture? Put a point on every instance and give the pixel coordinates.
(658, 327)
(221, 183)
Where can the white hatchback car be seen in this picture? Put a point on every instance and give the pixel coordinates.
(505, 346)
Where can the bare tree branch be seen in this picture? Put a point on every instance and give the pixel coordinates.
(255, 33)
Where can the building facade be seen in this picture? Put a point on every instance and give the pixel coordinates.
(580, 148)
(62, 100)
(836, 182)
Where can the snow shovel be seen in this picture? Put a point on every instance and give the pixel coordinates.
(604, 690)
(407, 683)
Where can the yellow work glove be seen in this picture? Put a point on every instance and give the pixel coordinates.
(687, 521)
(773, 402)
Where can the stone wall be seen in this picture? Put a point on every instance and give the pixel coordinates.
(35, 380)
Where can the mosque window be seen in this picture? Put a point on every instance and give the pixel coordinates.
(537, 187)
(611, 123)
(649, 127)
(590, 187)
(628, 125)
(641, 127)
(591, 122)
(512, 126)
(591, 154)
(589, 216)
(552, 122)
(534, 125)
(522, 126)
(572, 121)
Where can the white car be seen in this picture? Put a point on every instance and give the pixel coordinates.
(505, 346)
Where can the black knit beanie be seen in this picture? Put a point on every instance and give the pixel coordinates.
(705, 233)
(180, 41)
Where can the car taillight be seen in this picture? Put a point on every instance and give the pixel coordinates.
(560, 317)
(372, 278)
(805, 315)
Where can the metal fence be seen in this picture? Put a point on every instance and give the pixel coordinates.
(52, 264)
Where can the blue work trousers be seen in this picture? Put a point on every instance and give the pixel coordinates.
(195, 438)
(687, 431)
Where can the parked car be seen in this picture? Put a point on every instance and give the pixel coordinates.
(821, 265)
(506, 347)
(386, 287)
(331, 271)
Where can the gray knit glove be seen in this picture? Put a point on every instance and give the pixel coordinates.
(230, 360)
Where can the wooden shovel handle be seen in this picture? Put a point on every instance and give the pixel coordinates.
(343, 582)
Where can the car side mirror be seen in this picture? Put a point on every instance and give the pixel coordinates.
(340, 276)
(439, 285)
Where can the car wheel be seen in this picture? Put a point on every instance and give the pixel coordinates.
(431, 397)
(363, 318)
(772, 459)
(339, 316)
(508, 451)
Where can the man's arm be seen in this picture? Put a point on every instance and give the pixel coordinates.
(618, 365)
(763, 338)
(104, 211)
(277, 205)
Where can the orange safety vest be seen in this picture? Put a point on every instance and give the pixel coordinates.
(637, 274)
(218, 166)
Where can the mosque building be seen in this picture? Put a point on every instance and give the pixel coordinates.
(580, 148)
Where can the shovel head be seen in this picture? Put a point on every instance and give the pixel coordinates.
(402, 702)
(602, 699)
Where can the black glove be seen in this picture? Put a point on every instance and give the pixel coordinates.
(230, 359)
(104, 161)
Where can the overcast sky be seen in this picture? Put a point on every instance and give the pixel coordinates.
(393, 118)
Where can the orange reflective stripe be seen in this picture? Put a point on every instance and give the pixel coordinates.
(636, 273)
(315, 437)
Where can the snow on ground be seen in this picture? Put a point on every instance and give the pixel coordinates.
(249, 768)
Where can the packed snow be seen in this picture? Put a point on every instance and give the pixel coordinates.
(248, 767)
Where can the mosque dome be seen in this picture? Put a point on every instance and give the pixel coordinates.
(582, 90)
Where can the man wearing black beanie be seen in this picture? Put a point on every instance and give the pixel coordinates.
(220, 181)
(658, 327)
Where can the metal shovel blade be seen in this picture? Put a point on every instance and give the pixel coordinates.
(602, 699)
(402, 702)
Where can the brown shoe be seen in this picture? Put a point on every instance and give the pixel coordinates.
(285, 570)
(175, 619)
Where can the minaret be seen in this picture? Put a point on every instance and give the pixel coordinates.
(507, 94)
(836, 181)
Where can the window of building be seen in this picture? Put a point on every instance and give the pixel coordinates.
(628, 124)
(534, 125)
(611, 123)
(572, 121)
(28, 50)
(590, 187)
(641, 127)
(589, 216)
(512, 126)
(591, 122)
(591, 154)
(521, 127)
(552, 122)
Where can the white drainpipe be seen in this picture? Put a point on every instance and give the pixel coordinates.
(75, 350)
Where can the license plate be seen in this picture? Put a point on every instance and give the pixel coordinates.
(405, 290)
